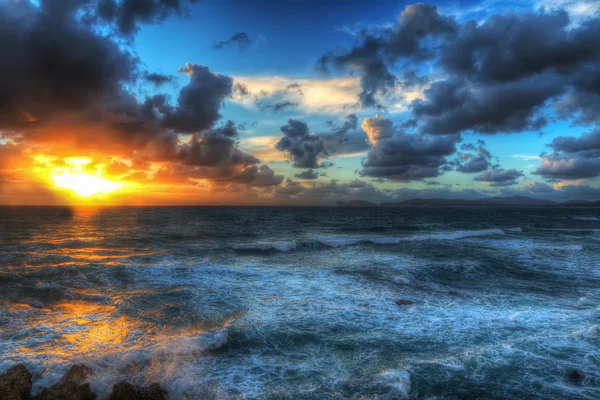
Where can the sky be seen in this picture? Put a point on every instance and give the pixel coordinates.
(182, 102)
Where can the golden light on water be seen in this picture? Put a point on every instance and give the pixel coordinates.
(84, 184)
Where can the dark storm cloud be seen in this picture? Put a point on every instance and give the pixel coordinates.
(55, 67)
(258, 176)
(215, 147)
(499, 74)
(513, 46)
(500, 177)
(400, 156)
(373, 54)
(308, 174)
(478, 160)
(455, 105)
(305, 149)
(126, 15)
(568, 166)
(158, 79)
(240, 39)
(199, 101)
(589, 141)
(572, 158)
(64, 85)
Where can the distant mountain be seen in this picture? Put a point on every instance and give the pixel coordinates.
(516, 201)
(436, 203)
(356, 203)
(581, 203)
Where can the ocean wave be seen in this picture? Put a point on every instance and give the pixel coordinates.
(517, 229)
(335, 241)
(586, 218)
(265, 246)
(519, 245)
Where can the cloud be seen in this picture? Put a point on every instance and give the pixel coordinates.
(308, 174)
(499, 177)
(66, 92)
(264, 147)
(477, 161)
(417, 25)
(158, 79)
(396, 155)
(345, 140)
(304, 148)
(126, 15)
(572, 158)
(495, 76)
(319, 96)
(538, 187)
(199, 101)
(456, 105)
(240, 39)
(556, 193)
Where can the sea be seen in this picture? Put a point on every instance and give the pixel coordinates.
(300, 302)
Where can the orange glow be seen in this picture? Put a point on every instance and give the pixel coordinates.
(84, 184)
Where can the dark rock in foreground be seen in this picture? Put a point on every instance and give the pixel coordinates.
(15, 384)
(72, 386)
(126, 391)
(402, 302)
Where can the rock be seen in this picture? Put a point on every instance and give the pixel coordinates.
(575, 376)
(79, 374)
(127, 391)
(72, 386)
(402, 302)
(15, 384)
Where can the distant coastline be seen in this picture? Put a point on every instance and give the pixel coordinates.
(512, 201)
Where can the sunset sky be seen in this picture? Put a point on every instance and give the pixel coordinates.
(297, 102)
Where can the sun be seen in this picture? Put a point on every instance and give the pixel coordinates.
(84, 184)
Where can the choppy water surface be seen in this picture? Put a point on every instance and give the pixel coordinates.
(299, 303)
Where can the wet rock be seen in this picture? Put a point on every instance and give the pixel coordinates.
(72, 386)
(15, 384)
(403, 302)
(127, 391)
(575, 376)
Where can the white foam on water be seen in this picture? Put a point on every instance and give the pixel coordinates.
(398, 383)
(586, 218)
(338, 241)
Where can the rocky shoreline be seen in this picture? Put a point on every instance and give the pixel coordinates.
(16, 384)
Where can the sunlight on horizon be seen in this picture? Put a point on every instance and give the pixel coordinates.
(84, 184)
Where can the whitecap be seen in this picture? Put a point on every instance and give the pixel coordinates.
(398, 383)
(586, 218)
